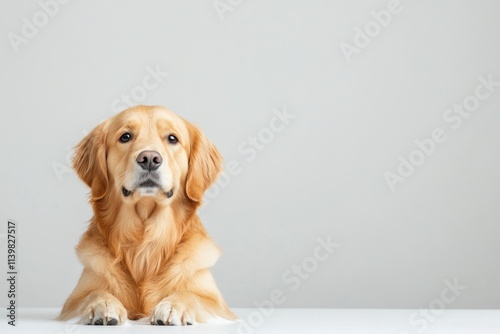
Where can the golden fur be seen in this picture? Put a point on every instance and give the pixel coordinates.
(146, 255)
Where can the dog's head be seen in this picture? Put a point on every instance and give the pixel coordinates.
(147, 151)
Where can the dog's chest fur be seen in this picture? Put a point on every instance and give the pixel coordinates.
(148, 240)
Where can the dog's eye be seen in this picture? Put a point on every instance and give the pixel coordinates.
(172, 139)
(125, 137)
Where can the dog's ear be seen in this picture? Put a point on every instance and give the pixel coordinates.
(89, 161)
(205, 164)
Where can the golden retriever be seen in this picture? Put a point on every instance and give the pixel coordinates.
(145, 252)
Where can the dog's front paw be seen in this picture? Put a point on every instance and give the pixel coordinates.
(104, 312)
(171, 313)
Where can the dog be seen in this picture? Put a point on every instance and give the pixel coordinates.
(145, 252)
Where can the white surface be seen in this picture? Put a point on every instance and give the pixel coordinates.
(290, 321)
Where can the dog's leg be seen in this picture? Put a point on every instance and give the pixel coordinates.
(197, 301)
(102, 308)
(93, 301)
(97, 308)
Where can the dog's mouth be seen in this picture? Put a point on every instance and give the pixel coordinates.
(148, 187)
(148, 184)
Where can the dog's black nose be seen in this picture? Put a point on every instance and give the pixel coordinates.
(149, 160)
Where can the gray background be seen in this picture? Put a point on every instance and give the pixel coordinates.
(322, 175)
